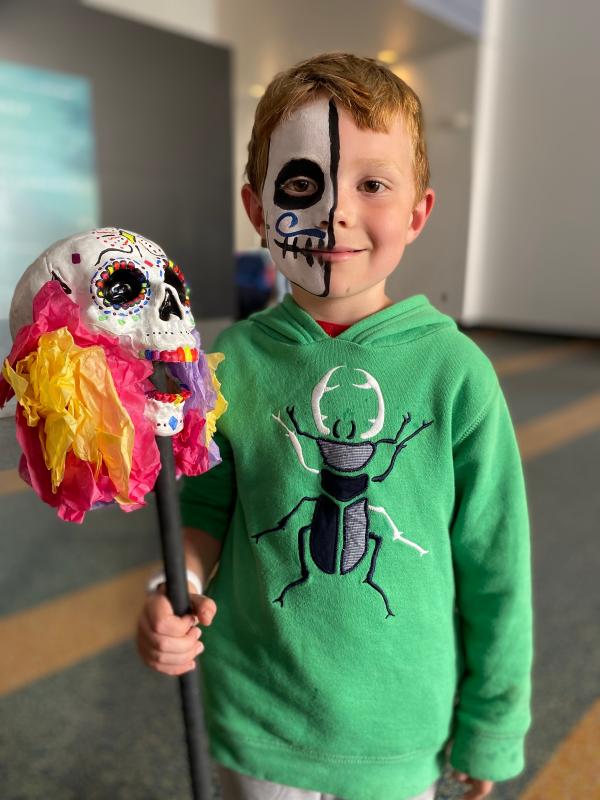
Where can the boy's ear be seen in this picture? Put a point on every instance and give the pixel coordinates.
(254, 209)
(420, 214)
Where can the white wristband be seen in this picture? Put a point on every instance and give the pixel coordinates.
(160, 577)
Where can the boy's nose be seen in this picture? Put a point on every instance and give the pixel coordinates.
(340, 217)
(344, 213)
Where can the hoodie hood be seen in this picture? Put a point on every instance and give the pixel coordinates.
(401, 322)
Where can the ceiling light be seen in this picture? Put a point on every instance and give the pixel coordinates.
(387, 56)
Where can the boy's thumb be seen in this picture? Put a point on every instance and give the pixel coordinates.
(204, 607)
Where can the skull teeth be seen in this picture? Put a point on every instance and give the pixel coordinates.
(170, 397)
(289, 245)
(181, 354)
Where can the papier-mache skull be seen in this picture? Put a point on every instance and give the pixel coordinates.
(125, 285)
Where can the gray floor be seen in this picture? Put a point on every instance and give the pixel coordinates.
(109, 728)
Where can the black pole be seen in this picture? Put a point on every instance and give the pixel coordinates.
(174, 561)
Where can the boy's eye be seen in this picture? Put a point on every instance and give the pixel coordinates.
(300, 183)
(373, 187)
(300, 187)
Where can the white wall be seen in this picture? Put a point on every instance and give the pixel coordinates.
(534, 253)
(195, 18)
(435, 263)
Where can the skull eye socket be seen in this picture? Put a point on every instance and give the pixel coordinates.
(299, 184)
(121, 284)
(175, 278)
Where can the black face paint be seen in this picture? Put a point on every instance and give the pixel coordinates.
(334, 136)
(298, 168)
(300, 195)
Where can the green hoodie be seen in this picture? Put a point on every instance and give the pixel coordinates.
(374, 587)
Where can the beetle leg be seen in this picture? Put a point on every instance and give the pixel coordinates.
(405, 420)
(398, 535)
(295, 444)
(291, 412)
(399, 448)
(303, 567)
(283, 521)
(370, 573)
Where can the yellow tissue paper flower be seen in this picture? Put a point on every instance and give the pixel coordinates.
(69, 392)
(213, 360)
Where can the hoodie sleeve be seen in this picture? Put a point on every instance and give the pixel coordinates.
(491, 554)
(207, 500)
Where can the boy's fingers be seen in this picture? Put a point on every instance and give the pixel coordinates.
(205, 608)
(478, 789)
(159, 613)
(181, 670)
(163, 651)
(159, 659)
(168, 669)
(171, 644)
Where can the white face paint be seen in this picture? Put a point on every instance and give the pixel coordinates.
(300, 193)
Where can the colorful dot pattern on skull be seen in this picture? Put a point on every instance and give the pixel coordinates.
(114, 237)
(131, 307)
(181, 354)
(171, 397)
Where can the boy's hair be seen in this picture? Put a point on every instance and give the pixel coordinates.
(370, 92)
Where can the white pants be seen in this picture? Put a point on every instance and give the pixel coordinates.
(235, 786)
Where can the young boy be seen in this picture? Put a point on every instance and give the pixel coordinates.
(369, 516)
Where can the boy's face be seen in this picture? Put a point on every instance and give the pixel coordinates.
(337, 207)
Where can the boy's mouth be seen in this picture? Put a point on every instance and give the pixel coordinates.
(320, 253)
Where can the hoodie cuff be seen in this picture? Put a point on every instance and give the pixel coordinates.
(487, 758)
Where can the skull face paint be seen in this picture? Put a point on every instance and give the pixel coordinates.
(300, 193)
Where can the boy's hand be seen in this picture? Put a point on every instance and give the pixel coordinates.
(166, 642)
(477, 788)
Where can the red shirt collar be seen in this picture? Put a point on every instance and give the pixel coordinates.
(332, 328)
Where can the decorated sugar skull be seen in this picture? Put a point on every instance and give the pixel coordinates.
(125, 285)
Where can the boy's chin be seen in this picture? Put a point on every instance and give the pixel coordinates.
(336, 291)
(314, 281)
(342, 294)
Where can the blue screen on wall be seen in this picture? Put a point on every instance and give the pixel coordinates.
(48, 184)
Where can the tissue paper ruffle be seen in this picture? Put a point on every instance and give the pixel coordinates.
(191, 455)
(80, 419)
(207, 403)
(220, 404)
(68, 393)
(84, 484)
